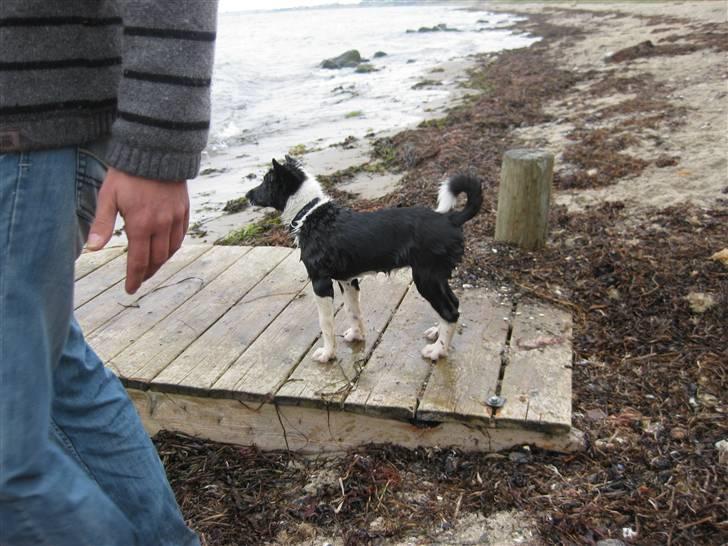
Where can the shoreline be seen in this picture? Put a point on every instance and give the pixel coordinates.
(228, 173)
(222, 171)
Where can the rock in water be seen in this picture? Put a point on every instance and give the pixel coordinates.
(365, 68)
(349, 59)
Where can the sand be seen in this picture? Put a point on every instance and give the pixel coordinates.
(699, 82)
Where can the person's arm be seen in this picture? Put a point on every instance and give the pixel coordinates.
(161, 129)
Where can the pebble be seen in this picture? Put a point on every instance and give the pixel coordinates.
(610, 542)
(451, 464)
(378, 525)
(700, 302)
(661, 462)
(519, 457)
(596, 415)
(722, 448)
(678, 433)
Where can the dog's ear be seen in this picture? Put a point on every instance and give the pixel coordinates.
(294, 168)
(279, 169)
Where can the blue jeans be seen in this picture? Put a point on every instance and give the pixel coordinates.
(76, 466)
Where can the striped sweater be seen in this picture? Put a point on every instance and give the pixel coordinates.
(135, 71)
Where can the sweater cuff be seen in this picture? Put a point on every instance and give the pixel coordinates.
(153, 164)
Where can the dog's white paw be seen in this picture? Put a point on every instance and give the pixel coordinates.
(322, 354)
(434, 351)
(432, 333)
(353, 334)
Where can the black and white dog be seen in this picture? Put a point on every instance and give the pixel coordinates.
(339, 244)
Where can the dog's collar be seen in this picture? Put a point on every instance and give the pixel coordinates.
(303, 212)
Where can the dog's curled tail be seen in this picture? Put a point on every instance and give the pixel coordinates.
(449, 191)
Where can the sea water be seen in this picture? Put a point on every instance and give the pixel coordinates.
(268, 82)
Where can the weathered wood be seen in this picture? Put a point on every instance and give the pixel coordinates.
(524, 197)
(221, 345)
(392, 380)
(126, 327)
(460, 386)
(267, 363)
(113, 301)
(90, 261)
(537, 380)
(313, 430)
(203, 362)
(99, 280)
(153, 351)
(316, 384)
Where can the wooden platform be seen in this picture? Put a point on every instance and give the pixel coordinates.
(218, 344)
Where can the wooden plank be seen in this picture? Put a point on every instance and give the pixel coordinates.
(152, 352)
(460, 386)
(316, 384)
(267, 363)
(99, 280)
(126, 327)
(203, 362)
(392, 380)
(90, 261)
(537, 379)
(113, 301)
(315, 430)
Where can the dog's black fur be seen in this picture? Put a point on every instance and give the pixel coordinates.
(341, 244)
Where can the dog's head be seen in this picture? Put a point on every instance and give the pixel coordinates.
(279, 184)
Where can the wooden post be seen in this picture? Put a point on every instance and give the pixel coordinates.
(524, 197)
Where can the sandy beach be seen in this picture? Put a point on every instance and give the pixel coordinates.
(640, 134)
(696, 83)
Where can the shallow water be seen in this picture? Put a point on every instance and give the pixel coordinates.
(268, 83)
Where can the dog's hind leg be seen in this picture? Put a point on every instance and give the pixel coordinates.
(443, 300)
(351, 292)
(324, 293)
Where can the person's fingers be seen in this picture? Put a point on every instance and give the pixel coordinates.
(137, 262)
(103, 226)
(160, 250)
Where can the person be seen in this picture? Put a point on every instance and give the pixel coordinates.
(113, 91)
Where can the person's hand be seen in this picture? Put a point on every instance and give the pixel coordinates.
(156, 217)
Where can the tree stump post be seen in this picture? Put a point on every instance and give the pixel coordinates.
(524, 197)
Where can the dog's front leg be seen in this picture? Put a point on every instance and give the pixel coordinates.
(324, 292)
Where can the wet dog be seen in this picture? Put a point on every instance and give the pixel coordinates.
(339, 244)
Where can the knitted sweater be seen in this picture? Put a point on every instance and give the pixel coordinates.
(134, 71)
